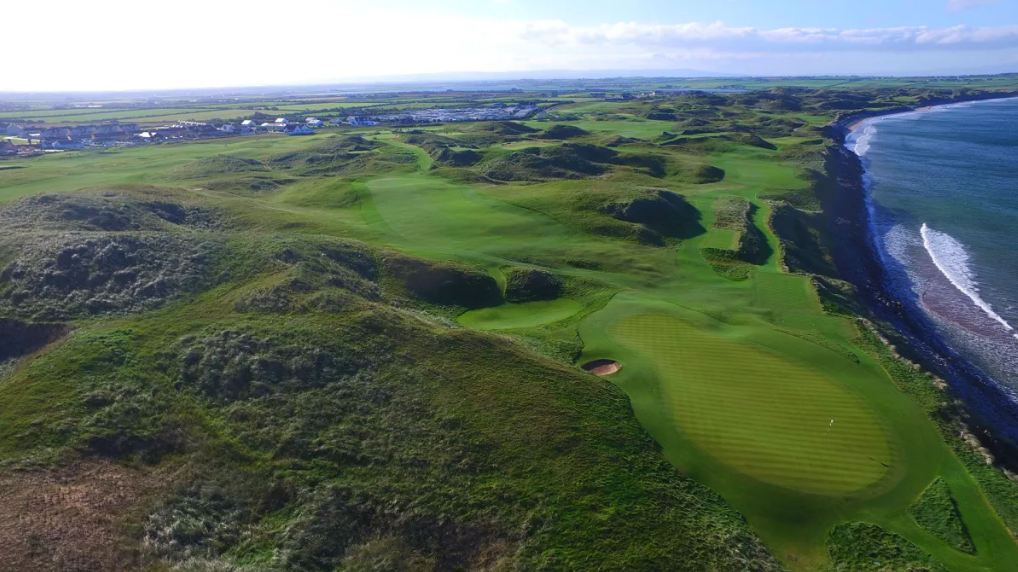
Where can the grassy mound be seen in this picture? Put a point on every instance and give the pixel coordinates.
(443, 284)
(805, 248)
(106, 211)
(541, 163)
(253, 184)
(619, 140)
(505, 128)
(335, 154)
(735, 241)
(937, 512)
(704, 174)
(216, 165)
(700, 145)
(531, 285)
(753, 140)
(55, 278)
(660, 211)
(562, 132)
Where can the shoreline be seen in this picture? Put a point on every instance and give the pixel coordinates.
(852, 121)
(992, 414)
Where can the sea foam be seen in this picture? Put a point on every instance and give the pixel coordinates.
(862, 142)
(952, 259)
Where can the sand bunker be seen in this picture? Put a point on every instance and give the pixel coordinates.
(602, 367)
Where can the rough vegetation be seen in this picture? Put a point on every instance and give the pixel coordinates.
(562, 132)
(531, 285)
(937, 512)
(64, 275)
(735, 215)
(443, 284)
(661, 212)
(216, 165)
(858, 547)
(111, 211)
(569, 161)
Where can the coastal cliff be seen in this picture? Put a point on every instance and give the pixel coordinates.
(843, 229)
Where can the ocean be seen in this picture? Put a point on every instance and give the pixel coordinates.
(943, 198)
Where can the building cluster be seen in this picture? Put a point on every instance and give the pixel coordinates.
(283, 125)
(626, 96)
(80, 137)
(496, 112)
(43, 139)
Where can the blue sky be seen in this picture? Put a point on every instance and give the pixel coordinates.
(208, 43)
(756, 13)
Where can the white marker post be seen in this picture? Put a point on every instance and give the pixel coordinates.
(829, 428)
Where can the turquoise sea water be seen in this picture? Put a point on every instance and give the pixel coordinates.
(944, 202)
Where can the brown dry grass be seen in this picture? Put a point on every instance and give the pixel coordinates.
(72, 518)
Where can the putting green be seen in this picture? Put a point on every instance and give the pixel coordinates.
(761, 414)
(513, 316)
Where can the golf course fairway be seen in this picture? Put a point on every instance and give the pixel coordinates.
(747, 384)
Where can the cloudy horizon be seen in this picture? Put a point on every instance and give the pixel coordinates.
(121, 45)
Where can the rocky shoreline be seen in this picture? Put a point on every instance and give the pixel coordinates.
(988, 411)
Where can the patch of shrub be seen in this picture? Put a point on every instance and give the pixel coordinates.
(106, 211)
(858, 547)
(63, 276)
(235, 366)
(443, 284)
(937, 512)
(530, 285)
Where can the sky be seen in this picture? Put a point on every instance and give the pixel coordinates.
(100, 45)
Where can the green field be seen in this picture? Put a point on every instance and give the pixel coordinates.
(793, 416)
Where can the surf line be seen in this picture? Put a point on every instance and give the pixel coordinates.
(951, 259)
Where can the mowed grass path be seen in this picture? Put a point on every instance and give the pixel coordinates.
(515, 316)
(758, 412)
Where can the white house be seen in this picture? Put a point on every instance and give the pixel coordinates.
(272, 126)
(298, 129)
(358, 121)
(313, 122)
(227, 128)
(282, 121)
(249, 125)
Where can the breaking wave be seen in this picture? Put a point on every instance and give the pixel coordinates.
(862, 142)
(951, 258)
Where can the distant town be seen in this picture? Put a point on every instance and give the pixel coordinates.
(27, 139)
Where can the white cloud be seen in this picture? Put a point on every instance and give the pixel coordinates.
(720, 36)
